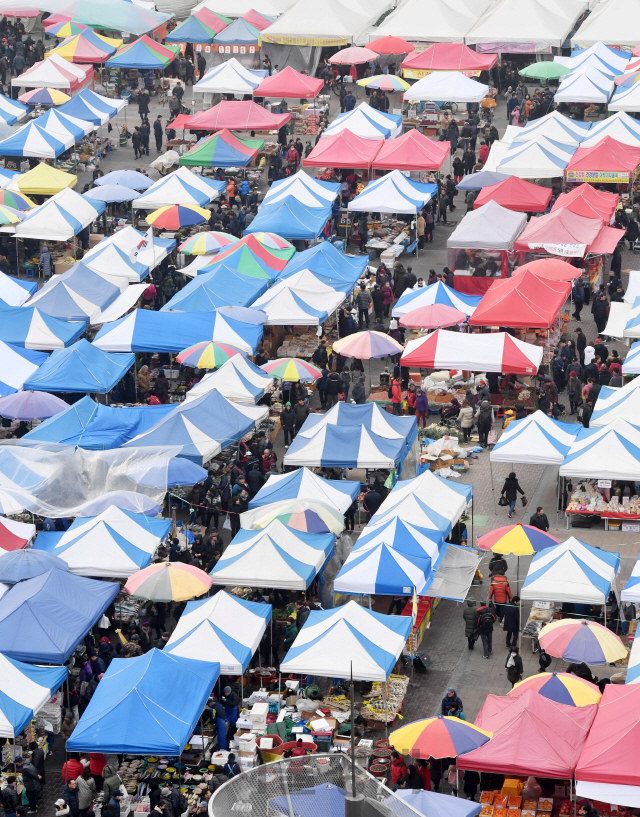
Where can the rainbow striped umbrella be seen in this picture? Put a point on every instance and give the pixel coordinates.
(438, 737)
(365, 345)
(273, 242)
(385, 82)
(175, 216)
(561, 687)
(10, 216)
(292, 369)
(208, 354)
(521, 540)
(44, 96)
(65, 29)
(16, 200)
(168, 581)
(577, 640)
(207, 243)
(305, 515)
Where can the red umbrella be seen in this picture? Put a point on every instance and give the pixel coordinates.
(353, 56)
(432, 316)
(391, 45)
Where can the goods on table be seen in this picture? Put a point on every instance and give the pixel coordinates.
(376, 708)
(588, 498)
(299, 345)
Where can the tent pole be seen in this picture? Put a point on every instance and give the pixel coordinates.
(386, 726)
(493, 494)
(472, 513)
(279, 689)
(271, 642)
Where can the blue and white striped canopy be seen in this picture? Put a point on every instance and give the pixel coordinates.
(537, 439)
(400, 535)
(610, 452)
(348, 640)
(437, 293)
(30, 328)
(383, 570)
(11, 110)
(224, 628)
(33, 140)
(18, 365)
(24, 690)
(304, 484)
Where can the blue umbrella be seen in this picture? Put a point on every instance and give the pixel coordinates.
(127, 178)
(112, 192)
(483, 178)
(18, 565)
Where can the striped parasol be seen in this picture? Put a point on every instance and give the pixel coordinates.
(168, 581)
(292, 369)
(16, 200)
(561, 687)
(438, 737)
(175, 216)
(367, 345)
(305, 515)
(208, 354)
(207, 243)
(521, 540)
(577, 640)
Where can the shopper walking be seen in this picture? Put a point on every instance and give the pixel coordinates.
(513, 666)
(511, 620)
(484, 416)
(470, 614)
(465, 417)
(510, 491)
(500, 593)
(485, 619)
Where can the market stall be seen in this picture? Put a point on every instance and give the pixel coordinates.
(607, 162)
(516, 194)
(28, 328)
(537, 439)
(540, 158)
(480, 249)
(614, 404)
(447, 56)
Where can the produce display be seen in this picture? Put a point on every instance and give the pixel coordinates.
(588, 498)
(376, 708)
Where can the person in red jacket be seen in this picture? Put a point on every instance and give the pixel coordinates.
(73, 768)
(398, 768)
(500, 592)
(396, 397)
(97, 762)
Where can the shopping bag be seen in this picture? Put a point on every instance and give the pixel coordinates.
(524, 501)
(503, 501)
(226, 525)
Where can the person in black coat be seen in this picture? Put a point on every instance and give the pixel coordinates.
(511, 620)
(255, 481)
(510, 491)
(600, 311)
(513, 666)
(287, 421)
(539, 519)
(378, 304)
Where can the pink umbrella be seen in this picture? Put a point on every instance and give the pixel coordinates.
(432, 317)
(353, 56)
(365, 345)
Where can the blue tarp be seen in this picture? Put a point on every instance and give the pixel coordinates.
(324, 259)
(94, 426)
(148, 705)
(30, 328)
(324, 799)
(23, 691)
(144, 330)
(288, 487)
(290, 219)
(221, 287)
(201, 426)
(139, 56)
(42, 620)
(80, 368)
(433, 804)
(55, 300)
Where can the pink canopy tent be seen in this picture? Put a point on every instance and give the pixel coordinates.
(516, 194)
(289, 84)
(561, 227)
(525, 302)
(447, 57)
(412, 151)
(491, 352)
(586, 201)
(345, 150)
(554, 269)
(257, 20)
(237, 115)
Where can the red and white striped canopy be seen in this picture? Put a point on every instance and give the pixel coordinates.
(490, 352)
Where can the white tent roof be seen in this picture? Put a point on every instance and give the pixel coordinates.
(223, 628)
(25, 689)
(523, 21)
(620, 126)
(122, 304)
(614, 58)
(108, 260)
(439, 21)
(51, 73)
(614, 404)
(619, 315)
(128, 239)
(392, 193)
(631, 363)
(308, 20)
(446, 497)
(199, 261)
(236, 8)
(490, 226)
(382, 570)
(611, 452)
(447, 86)
(536, 439)
(613, 22)
(333, 643)
(169, 190)
(122, 523)
(267, 557)
(540, 159)
(303, 187)
(554, 126)
(58, 125)
(50, 220)
(496, 155)
(229, 382)
(626, 99)
(11, 292)
(288, 306)
(570, 572)
(307, 286)
(229, 77)
(366, 122)
(311, 487)
(587, 86)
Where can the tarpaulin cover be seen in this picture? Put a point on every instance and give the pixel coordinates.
(553, 268)
(86, 47)
(24, 689)
(305, 484)
(586, 201)
(15, 535)
(345, 150)
(352, 436)
(191, 30)
(449, 57)
(325, 798)
(614, 739)
(237, 115)
(240, 32)
(144, 54)
(608, 154)
(80, 368)
(225, 628)
(532, 735)
(433, 804)
(95, 426)
(144, 330)
(525, 301)
(516, 194)
(77, 294)
(325, 260)
(491, 227)
(43, 619)
(289, 84)
(333, 643)
(30, 328)
(145, 705)
(492, 352)
(412, 151)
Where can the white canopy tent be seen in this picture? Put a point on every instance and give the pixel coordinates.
(303, 187)
(248, 375)
(588, 86)
(366, 122)
(571, 572)
(439, 21)
(348, 640)
(58, 218)
(490, 226)
(609, 56)
(610, 452)
(626, 99)
(231, 8)
(536, 439)
(553, 126)
(496, 155)
(128, 240)
(524, 21)
(289, 307)
(621, 127)
(307, 20)
(614, 404)
(447, 86)
(612, 22)
(539, 159)
(230, 77)
(393, 193)
(631, 363)
(178, 188)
